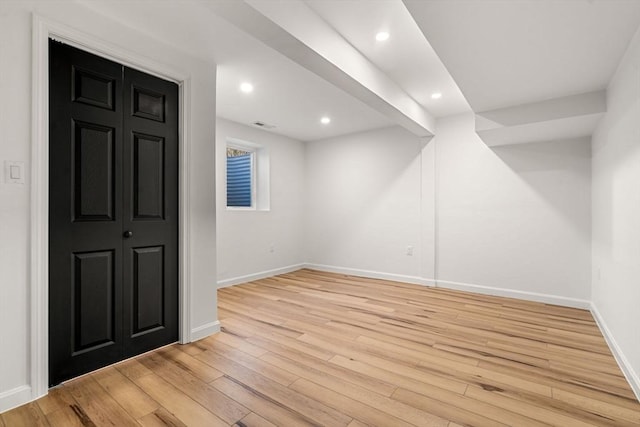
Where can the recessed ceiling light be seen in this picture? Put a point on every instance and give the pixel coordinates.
(246, 87)
(325, 120)
(436, 95)
(382, 36)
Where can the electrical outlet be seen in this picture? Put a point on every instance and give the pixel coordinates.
(410, 250)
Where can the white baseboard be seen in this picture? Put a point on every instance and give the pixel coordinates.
(512, 293)
(15, 397)
(630, 374)
(480, 289)
(260, 275)
(205, 330)
(371, 274)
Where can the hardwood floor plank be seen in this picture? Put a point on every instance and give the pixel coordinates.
(190, 364)
(70, 416)
(163, 364)
(258, 328)
(403, 376)
(183, 407)
(438, 366)
(425, 353)
(253, 420)
(136, 402)
(272, 372)
(316, 411)
(360, 411)
(239, 343)
(161, 418)
(97, 404)
(289, 344)
(535, 412)
(28, 415)
(132, 369)
(556, 379)
(324, 368)
(362, 395)
(224, 362)
(487, 354)
(61, 409)
(262, 404)
(339, 382)
(58, 398)
(450, 412)
(588, 374)
(595, 406)
(322, 330)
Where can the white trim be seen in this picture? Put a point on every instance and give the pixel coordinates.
(260, 175)
(260, 275)
(15, 397)
(372, 274)
(205, 330)
(479, 289)
(625, 366)
(39, 226)
(513, 293)
(184, 267)
(43, 29)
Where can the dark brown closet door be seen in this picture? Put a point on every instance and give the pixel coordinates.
(113, 203)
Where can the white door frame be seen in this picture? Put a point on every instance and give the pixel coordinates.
(43, 29)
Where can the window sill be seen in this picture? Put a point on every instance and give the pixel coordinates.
(251, 209)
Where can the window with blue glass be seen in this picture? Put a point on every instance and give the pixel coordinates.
(240, 178)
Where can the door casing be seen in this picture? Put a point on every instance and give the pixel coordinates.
(44, 29)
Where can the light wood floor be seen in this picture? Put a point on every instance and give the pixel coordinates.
(311, 348)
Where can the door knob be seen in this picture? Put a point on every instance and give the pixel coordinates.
(127, 234)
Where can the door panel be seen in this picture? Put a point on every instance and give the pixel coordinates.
(93, 305)
(93, 88)
(151, 194)
(148, 289)
(148, 177)
(148, 104)
(113, 144)
(93, 172)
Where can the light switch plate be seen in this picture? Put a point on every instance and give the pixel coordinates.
(14, 172)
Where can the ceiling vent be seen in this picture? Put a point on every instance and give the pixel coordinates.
(264, 125)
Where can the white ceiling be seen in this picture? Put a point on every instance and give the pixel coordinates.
(499, 53)
(504, 53)
(286, 95)
(291, 98)
(406, 57)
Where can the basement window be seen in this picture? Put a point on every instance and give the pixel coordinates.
(247, 176)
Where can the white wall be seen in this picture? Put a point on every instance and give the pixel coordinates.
(511, 221)
(15, 85)
(616, 213)
(513, 217)
(15, 125)
(245, 237)
(364, 202)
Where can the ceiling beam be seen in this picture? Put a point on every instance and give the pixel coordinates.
(563, 118)
(297, 32)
